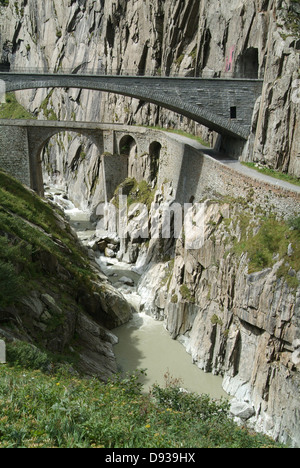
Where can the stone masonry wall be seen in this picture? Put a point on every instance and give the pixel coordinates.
(14, 153)
(197, 175)
(194, 175)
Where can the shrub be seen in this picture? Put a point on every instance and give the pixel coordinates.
(295, 223)
(64, 411)
(187, 294)
(12, 285)
(27, 356)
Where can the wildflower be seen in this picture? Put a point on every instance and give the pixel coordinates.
(147, 426)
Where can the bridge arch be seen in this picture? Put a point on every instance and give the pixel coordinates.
(128, 145)
(207, 101)
(37, 142)
(71, 162)
(154, 153)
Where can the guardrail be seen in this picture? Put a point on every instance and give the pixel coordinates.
(103, 72)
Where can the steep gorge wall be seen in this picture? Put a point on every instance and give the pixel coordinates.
(234, 319)
(217, 38)
(226, 317)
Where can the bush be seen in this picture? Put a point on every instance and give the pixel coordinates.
(27, 356)
(12, 285)
(295, 223)
(64, 411)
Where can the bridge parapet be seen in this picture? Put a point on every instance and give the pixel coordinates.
(114, 72)
(223, 105)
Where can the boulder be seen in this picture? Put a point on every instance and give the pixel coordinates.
(126, 280)
(241, 410)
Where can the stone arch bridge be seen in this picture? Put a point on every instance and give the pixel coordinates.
(22, 143)
(223, 105)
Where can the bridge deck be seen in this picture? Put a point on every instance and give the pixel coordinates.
(224, 105)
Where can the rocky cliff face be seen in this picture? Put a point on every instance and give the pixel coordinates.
(234, 316)
(235, 321)
(214, 38)
(51, 294)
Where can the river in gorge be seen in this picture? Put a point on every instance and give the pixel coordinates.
(143, 342)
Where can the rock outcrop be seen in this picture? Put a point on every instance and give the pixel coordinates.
(51, 293)
(256, 39)
(234, 317)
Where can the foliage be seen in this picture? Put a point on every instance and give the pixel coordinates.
(27, 356)
(136, 192)
(12, 285)
(267, 242)
(13, 110)
(52, 410)
(272, 173)
(47, 107)
(292, 18)
(187, 294)
(141, 193)
(30, 229)
(294, 223)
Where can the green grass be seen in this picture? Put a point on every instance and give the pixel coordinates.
(45, 408)
(136, 192)
(13, 110)
(29, 230)
(273, 173)
(270, 244)
(182, 133)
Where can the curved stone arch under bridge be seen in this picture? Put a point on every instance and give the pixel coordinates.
(22, 143)
(223, 105)
(184, 163)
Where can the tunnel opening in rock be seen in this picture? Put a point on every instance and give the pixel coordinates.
(247, 65)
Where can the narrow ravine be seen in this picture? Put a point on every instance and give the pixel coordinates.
(143, 342)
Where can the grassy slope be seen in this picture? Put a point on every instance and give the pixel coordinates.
(30, 229)
(61, 410)
(13, 110)
(267, 241)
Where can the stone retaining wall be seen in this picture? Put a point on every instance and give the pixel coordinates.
(194, 175)
(14, 152)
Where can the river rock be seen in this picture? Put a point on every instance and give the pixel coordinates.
(126, 280)
(100, 245)
(109, 253)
